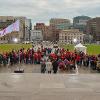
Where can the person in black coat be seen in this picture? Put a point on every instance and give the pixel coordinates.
(43, 67)
(55, 66)
(1, 58)
(11, 58)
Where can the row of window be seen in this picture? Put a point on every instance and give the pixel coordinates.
(70, 37)
(70, 34)
(69, 41)
(3, 39)
(36, 32)
(6, 38)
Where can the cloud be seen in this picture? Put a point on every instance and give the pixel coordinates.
(43, 10)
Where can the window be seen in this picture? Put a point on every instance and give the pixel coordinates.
(4, 38)
(68, 37)
(65, 37)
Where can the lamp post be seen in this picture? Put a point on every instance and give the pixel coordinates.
(75, 41)
(15, 40)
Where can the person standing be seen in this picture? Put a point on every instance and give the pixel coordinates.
(48, 66)
(1, 57)
(4, 59)
(55, 66)
(43, 67)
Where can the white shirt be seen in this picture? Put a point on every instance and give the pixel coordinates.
(48, 66)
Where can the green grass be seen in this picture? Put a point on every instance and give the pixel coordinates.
(9, 47)
(91, 49)
(70, 47)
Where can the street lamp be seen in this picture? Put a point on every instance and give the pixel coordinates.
(75, 40)
(15, 40)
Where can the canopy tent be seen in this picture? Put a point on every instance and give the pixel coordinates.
(79, 47)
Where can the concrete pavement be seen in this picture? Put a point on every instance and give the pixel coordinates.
(29, 86)
(37, 69)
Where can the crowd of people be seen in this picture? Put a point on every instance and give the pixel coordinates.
(65, 60)
(51, 60)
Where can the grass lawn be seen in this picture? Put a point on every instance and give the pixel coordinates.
(91, 49)
(9, 47)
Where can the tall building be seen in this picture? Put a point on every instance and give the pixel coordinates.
(36, 35)
(80, 22)
(28, 28)
(57, 24)
(68, 36)
(45, 30)
(93, 28)
(25, 28)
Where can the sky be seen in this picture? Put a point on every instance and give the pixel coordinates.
(43, 10)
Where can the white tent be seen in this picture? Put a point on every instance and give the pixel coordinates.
(80, 47)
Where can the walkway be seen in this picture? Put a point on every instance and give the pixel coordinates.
(49, 87)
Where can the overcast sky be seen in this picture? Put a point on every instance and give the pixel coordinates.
(43, 10)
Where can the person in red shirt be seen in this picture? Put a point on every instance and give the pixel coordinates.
(78, 59)
(35, 58)
(4, 59)
(39, 57)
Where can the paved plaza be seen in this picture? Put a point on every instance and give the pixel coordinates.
(29, 86)
(31, 68)
(32, 85)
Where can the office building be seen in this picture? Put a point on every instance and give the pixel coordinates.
(68, 36)
(36, 35)
(45, 30)
(57, 24)
(80, 23)
(93, 28)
